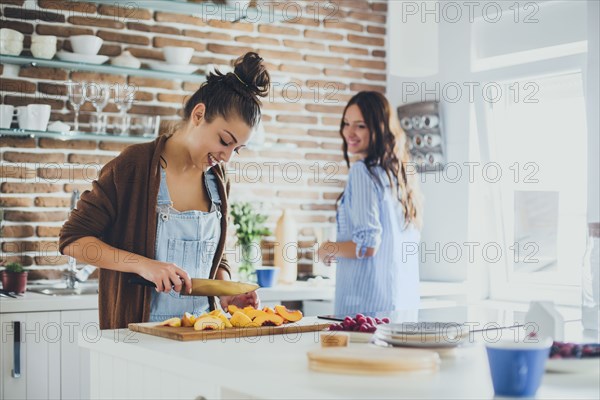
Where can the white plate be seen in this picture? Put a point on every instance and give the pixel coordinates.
(425, 342)
(163, 66)
(421, 328)
(574, 365)
(84, 58)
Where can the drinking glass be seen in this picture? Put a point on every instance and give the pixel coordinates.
(322, 235)
(76, 97)
(152, 126)
(138, 124)
(98, 95)
(119, 124)
(98, 123)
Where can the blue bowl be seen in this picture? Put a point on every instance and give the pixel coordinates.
(267, 276)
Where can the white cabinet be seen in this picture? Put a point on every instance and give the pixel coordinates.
(51, 364)
(35, 355)
(74, 360)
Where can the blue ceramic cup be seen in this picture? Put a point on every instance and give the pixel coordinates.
(517, 367)
(266, 276)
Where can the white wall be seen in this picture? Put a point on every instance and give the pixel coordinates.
(446, 202)
(593, 105)
(460, 212)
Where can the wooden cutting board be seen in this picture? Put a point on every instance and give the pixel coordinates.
(188, 333)
(372, 360)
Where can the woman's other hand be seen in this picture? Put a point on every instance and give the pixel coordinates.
(240, 300)
(327, 252)
(166, 276)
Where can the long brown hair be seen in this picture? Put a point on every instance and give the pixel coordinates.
(388, 149)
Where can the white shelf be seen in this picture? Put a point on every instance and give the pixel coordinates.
(102, 68)
(73, 136)
(232, 11)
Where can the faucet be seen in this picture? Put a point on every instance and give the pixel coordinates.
(72, 275)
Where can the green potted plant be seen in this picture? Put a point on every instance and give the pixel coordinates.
(14, 278)
(250, 229)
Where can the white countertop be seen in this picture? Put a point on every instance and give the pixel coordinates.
(36, 302)
(325, 290)
(273, 367)
(298, 291)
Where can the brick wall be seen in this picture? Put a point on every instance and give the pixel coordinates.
(318, 56)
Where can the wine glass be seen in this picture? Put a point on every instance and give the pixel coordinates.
(124, 97)
(98, 95)
(76, 97)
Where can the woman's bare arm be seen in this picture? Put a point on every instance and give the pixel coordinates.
(93, 251)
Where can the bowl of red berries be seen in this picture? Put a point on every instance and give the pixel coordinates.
(574, 358)
(359, 327)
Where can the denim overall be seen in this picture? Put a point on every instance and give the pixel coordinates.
(188, 239)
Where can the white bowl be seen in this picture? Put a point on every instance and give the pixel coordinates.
(178, 55)
(11, 47)
(86, 44)
(11, 34)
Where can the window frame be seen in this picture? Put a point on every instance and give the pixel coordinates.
(502, 287)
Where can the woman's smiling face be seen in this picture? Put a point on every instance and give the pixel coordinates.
(355, 131)
(214, 142)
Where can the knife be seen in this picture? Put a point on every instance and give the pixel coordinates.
(206, 287)
(7, 293)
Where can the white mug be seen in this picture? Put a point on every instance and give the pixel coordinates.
(6, 115)
(34, 117)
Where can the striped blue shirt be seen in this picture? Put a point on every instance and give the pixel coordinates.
(370, 215)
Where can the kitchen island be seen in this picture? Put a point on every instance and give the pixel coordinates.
(126, 364)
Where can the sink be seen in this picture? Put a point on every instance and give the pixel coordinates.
(62, 290)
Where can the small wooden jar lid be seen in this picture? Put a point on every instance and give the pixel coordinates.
(334, 339)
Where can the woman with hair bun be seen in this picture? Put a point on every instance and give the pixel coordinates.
(378, 214)
(159, 209)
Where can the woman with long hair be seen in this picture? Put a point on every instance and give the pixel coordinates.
(378, 214)
(159, 209)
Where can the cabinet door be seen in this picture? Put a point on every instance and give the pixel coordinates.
(75, 361)
(39, 346)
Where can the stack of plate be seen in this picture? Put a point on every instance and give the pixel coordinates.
(422, 334)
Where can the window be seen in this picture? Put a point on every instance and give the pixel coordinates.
(539, 139)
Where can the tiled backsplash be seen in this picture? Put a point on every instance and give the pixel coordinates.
(318, 58)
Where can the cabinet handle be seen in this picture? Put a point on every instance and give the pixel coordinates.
(16, 371)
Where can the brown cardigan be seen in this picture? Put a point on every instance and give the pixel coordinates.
(120, 210)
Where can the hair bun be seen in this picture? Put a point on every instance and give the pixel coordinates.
(251, 72)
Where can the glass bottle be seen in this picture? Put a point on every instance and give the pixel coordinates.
(590, 285)
(286, 248)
